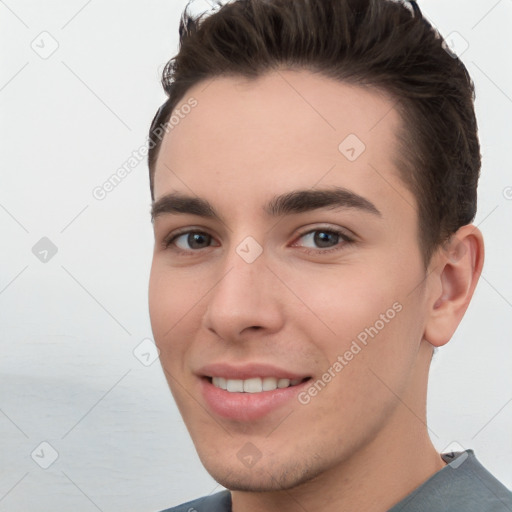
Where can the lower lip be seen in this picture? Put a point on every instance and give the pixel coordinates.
(246, 406)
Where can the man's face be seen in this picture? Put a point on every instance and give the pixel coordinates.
(274, 281)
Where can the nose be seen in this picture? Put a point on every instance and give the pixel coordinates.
(245, 299)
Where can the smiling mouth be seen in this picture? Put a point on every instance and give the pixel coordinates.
(254, 384)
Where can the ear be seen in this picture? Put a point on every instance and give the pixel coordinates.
(453, 274)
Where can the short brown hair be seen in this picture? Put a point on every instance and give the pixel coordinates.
(377, 43)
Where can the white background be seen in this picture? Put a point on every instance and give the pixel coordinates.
(69, 326)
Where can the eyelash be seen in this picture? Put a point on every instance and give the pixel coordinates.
(346, 239)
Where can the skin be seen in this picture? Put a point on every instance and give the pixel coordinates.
(362, 442)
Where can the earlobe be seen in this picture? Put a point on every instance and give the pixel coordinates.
(457, 266)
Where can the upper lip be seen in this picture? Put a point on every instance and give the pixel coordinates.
(247, 371)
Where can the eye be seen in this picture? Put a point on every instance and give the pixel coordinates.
(189, 240)
(323, 238)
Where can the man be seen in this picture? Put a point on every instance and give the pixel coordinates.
(314, 177)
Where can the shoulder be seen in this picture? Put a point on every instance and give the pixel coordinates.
(218, 502)
(464, 484)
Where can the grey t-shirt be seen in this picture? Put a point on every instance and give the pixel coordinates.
(463, 485)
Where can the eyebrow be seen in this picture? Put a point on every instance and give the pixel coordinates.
(294, 202)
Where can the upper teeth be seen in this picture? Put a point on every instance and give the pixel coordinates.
(254, 385)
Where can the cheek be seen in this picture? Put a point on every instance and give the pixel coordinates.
(366, 359)
(171, 306)
(347, 299)
(365, 315)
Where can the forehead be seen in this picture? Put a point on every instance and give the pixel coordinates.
(286, 129)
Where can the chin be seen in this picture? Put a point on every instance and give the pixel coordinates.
(269, 477)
